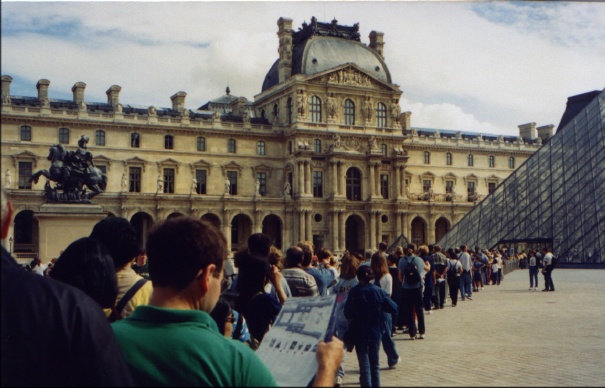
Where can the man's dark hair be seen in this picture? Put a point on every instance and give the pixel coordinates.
(382, 246)
(462, 247)
(307, 248)
(294, 256)
(412, 247)
(178, 248)
(119, 237)
(259, 244)
(437, 248)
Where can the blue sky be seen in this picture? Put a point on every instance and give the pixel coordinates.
(472, 66)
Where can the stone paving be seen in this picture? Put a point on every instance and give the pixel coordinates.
(508, 336)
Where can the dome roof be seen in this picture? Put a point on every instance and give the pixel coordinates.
(316, 53)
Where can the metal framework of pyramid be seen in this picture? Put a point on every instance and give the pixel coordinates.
(555, 199)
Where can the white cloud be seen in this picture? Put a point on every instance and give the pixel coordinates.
(480, 66)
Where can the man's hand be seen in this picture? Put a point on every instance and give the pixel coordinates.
(329, 356)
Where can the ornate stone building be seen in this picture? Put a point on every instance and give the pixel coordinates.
(323, 153)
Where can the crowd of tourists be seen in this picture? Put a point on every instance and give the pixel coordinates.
(110, 313)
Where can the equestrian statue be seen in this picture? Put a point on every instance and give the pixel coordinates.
(73, 172)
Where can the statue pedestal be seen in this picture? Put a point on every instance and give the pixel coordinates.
(61, 224)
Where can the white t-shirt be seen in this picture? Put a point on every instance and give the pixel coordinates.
(548, 259)
(386, 283)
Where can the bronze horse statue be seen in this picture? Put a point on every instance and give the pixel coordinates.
(70, 177)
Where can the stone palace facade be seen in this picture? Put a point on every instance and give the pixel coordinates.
(323, 153)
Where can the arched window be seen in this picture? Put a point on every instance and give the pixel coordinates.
(168, 142)
(135, 140)
(349, 112)
(381, 115)
(26, 133)
(260, 147)
(491, 161)
(275, 111)
(64, 135)
(427, 157)
(100, 137)
(201, 143)
(471, 160)
(448, 158)
(315, 109)
(353, 184)
(317, 145)
(511, 162)
(289, 109)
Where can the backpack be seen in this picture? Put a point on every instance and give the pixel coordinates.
(451, 270)
(411, 273)
(554, 261)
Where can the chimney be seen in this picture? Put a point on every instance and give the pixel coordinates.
(285, 48)
(406, 122)
(78, 91)
(545, 132)
(527, 131)
(178, 101)
(6, 88)
(113, 95)
(377, 42)
(42, 87)
(238, 107)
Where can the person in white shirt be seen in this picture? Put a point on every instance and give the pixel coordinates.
(547, 271)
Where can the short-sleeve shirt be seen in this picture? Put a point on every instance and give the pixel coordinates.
(416, 261)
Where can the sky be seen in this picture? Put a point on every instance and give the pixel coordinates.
(471, 66)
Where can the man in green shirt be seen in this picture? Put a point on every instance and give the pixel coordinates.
(174, 340)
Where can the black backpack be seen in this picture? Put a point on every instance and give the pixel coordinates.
(451, 270)
(411, 273)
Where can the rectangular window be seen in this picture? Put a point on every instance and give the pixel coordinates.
(232, 176)
(26, 133)
(100, 138)
(168, 142)
(449, 187)
(25, 172)
(201, 143)
(169, 180)
(262, 181)
(134, 178)
(384, 186)
(103, 168)
(470, 186)
(448, 158)
(201, 177)
(231, 146)
(426, 185)
(427, 157)
(135, 140)
(491, 161)
(260, 148)
(64, 135)
(318, 188)
(317, 145)
(383, 149)
(491, 187)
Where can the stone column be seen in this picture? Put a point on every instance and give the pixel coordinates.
(258, 225)
(227, 228)
(309, 226)
(397, 183)
(341, 230)
(301, 225)
(371, 180)
(301, 178)
(334, 183)
(308, 177)
(378, 228)
(335, 231)
(377, 179)
(372, 236)
(398, 223)
(342, 177)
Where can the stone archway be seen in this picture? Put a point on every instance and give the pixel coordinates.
(442, 226)
(174, 215)
(25, 232)
(355, 239)
(213, 219)
(241, 229)
(272, 227)
(418, 231)
(142, 223)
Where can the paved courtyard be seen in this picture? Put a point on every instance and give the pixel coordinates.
(508, 336)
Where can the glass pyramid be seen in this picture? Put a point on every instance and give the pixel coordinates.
(555, 199)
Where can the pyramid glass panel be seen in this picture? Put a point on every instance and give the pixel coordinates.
(555, 199)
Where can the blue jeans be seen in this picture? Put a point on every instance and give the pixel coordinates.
(412, 301)
(387, 341)
(341, 329)
(533, 276)
(369, 366)
(465, 285)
